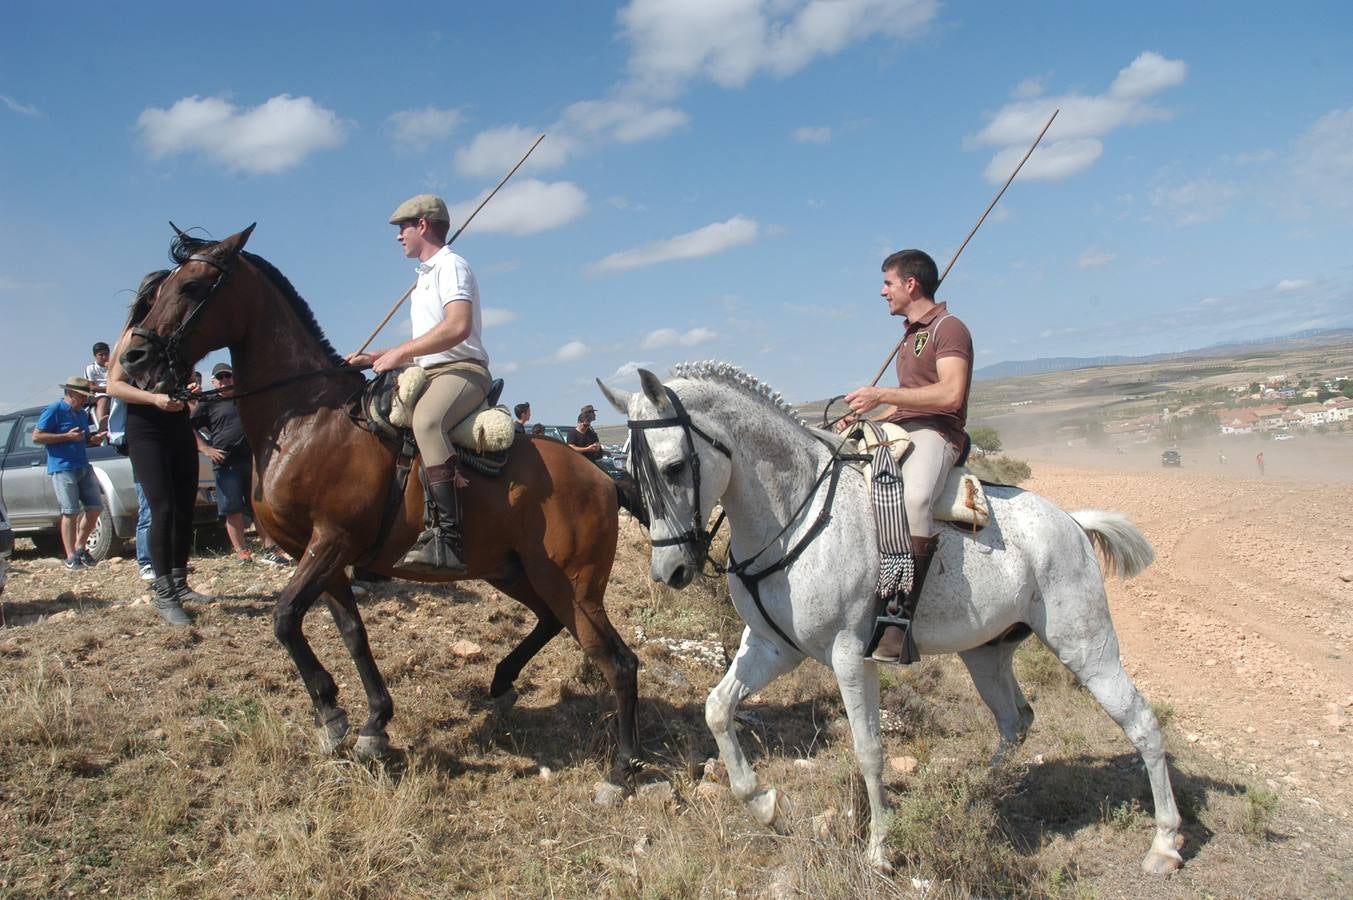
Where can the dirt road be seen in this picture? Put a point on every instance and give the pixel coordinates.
(1245, 622)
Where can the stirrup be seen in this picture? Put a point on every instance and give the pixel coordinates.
(436, 552)
(892, 641)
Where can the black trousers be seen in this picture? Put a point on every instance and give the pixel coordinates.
(164, 462)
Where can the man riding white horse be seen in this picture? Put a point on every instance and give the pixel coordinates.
(934, 376)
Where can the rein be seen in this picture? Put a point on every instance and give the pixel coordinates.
(218, 394)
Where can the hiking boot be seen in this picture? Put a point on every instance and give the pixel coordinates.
(440, 547)
(185, 594)
(167, 602)
(893, 641)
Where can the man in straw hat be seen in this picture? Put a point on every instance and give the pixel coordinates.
(63, 428)
(447, 343)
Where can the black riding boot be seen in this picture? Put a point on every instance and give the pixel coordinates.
(892, 641)
(440, 547)
(167, 602)
(184, 593)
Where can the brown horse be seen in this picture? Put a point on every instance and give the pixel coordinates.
(543, 531)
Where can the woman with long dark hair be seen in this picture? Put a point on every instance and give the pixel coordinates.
(164, 462)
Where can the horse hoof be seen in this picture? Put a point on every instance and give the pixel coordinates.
(1164, 857)
(608, 794)
(879, 862)
(771, 809)
(371, 746)
(330, 735)
(503, 703)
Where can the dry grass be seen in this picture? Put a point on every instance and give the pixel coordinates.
(138, 762)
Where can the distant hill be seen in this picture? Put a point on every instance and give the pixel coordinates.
(1313, 337)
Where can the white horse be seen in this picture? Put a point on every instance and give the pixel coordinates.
(716, 435)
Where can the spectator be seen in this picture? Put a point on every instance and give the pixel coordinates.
(96, 373)
(164, 462)
(63, 428)
(582, 438)
(231, 462)
(523, 413)
(537, 430)
(1259, 461)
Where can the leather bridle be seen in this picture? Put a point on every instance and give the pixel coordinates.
(171, 346)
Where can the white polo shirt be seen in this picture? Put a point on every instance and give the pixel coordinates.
(446, 278)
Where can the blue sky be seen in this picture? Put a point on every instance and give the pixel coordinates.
(720, 180)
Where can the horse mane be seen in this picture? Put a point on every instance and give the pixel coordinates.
(749, 385)
(183, 246)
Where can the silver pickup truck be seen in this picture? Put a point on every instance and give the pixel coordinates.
(27, 494)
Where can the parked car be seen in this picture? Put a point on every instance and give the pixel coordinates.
(26, 490)
(1171, 458)
(1284, 436)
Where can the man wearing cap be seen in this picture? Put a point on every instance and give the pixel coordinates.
(220, 435)
(447, 343)
(63, 428)
(582, 438)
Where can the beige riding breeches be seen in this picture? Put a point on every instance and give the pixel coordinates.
(453, 392)
(924, 472)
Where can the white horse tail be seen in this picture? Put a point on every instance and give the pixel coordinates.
(1125, 550)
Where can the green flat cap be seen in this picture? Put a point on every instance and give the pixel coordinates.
(424, 206)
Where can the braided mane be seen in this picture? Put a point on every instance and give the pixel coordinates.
(184, 246)
(730, 375)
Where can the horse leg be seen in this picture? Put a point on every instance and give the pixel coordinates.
(858, 681)
(505, 675)
(293, 603)
(994, 677)
(372, 740)
(1084, 640)
(758, 663)
(586, 620)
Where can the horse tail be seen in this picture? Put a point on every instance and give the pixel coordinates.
(1124, 549)
(627, 490)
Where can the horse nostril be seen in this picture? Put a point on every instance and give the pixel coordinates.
(678, 577)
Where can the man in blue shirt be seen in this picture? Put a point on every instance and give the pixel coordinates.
(63, 428)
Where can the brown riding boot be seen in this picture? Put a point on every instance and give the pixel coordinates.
(440, 547)
(893, 642)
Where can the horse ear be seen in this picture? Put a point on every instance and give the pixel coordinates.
(653, 389)
(235, 243)
(617, 398)
(177, 230)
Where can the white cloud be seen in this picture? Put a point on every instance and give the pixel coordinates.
(624, 121)
(730, 41)
(1050, 162)
(494, 152)
(525, 207)
(1093, 259)
(1291, 284)
(506, 368)
(1082, 121)
(493, 316)
(705, 241)
(269, 138)
(1322, 159)
(670, 337)
(629, 371)
(22, 109)
(1268, 154)
(1195, 201)
(571, 352)
(1028, 89)
(417, 129)
(812, 134)
(1210, 301)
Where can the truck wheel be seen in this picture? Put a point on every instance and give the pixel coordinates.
(103, 540)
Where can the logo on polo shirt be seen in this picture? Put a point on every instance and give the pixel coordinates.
(922, 338)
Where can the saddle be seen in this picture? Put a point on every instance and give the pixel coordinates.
(484, 436)
(961, 501)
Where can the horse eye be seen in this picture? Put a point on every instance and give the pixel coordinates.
(674, 470)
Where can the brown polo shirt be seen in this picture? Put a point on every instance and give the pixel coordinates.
(929, 339)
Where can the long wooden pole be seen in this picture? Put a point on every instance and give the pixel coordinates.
(989, 208)
(404, 296)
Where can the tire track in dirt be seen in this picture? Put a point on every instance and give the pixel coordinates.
(1240, 624)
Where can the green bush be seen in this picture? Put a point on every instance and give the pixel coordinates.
(1000, 469)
